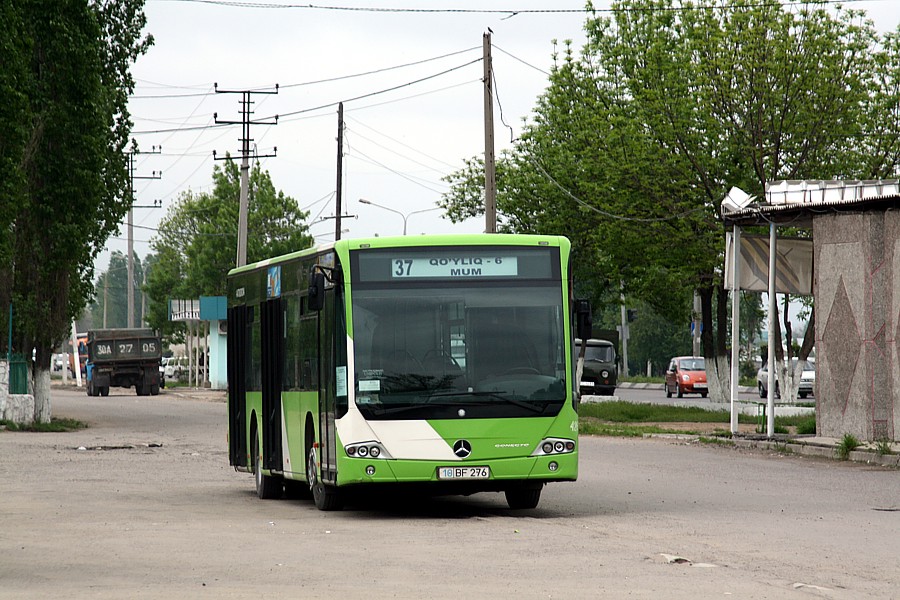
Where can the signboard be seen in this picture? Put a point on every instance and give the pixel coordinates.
(449, 263)
(455, 266)
(793, 264)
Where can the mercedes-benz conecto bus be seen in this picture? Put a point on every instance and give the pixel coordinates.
(440, 362)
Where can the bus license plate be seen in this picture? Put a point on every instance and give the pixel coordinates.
(464, 472)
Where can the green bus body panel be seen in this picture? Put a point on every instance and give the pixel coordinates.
(505, 445)
(517, 439)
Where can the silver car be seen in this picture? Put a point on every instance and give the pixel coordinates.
(807, 380)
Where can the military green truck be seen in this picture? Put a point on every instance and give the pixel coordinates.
(123, 358)
(600, 373)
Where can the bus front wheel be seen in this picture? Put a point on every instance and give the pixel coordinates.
(522, 498)
(325, 496)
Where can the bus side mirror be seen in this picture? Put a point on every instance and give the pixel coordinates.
(315, 300)
(583, 319)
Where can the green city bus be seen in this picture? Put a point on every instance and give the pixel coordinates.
(439, 362)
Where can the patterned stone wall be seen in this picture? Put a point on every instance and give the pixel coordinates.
(857, 295)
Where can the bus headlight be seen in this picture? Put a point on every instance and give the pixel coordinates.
(551, 446)
(370, 449)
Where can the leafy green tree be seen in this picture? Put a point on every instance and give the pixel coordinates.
(110, 306)
(197, 240)
(64, 105)
(634, 143)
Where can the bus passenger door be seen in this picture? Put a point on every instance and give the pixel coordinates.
(272, 355)
(327, 437)
(237, 342)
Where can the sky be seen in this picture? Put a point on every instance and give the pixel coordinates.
(412, 120)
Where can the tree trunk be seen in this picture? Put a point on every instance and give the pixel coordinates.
(718, 371)
(41, 377)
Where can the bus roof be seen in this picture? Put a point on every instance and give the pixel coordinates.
(486, 239)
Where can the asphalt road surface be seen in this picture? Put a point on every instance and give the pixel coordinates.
(149, 508)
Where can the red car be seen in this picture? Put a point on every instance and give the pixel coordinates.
(686, 375)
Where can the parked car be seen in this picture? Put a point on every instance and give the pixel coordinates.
(686, 375)
(162, 371)
(177, 367)
(807, 380)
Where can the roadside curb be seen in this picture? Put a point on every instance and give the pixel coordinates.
(813, 447)
(744, 389)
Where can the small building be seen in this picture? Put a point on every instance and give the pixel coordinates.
(856, 286)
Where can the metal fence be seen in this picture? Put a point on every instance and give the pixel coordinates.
(18, 375)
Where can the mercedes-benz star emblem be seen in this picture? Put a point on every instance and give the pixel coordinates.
(462, 448)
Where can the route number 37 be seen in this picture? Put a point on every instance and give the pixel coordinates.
(403, 267)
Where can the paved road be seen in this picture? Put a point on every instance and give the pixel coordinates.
(157, 513)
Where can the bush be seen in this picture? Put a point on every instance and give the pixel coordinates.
(807, 427)
(848, 444)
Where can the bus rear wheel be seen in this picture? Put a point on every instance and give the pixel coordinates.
(325, 496)
(267, 487)
(522, 498)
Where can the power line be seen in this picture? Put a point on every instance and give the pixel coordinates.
(509, 13)
(318, 81)
(321, 106)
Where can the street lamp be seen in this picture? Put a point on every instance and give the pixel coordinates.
(402, 215)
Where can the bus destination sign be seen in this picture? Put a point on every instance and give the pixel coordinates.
(454, 266)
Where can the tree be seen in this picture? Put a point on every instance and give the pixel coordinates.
(110, 306)
(197, 240)
(634, 143)
(64, 101)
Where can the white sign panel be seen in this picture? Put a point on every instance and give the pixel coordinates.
(793, 264)
(455, 266)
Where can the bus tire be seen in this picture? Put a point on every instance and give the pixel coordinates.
(523, 497)
(267, 487)
(325, 496)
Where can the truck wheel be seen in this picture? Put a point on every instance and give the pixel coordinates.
(154, 389)
(104, 391)
(90, 388)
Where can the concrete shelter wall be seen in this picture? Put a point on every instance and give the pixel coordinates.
(857, 296)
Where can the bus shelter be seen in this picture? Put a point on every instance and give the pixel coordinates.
(853, 270)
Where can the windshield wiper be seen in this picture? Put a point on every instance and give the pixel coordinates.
(494, 395)
(409, 407)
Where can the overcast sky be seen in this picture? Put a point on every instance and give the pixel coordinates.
(398, 144)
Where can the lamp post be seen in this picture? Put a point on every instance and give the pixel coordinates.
(404, 216)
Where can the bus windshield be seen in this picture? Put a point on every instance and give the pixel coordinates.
(452, 349)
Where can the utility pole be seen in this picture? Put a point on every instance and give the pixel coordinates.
(129, 318)
(245, 140)
(490, 175)
(340, 172)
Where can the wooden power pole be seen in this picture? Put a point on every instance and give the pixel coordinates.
(490, 174)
